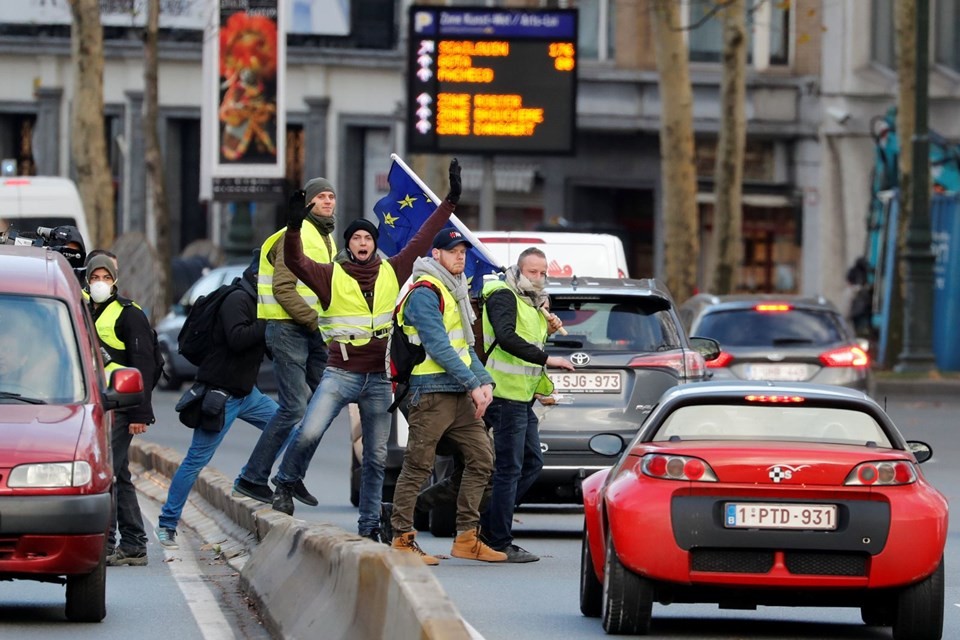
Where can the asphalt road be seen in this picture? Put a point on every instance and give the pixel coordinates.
(540, 600)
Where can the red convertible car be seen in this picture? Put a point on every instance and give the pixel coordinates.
(782, 494)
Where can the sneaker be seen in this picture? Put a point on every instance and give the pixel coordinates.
(518, 554)
(300, 493)
(283, 499)
(407, 543)
(167, 537)
(468, 545)
(122, 557)
(259, 492)
(386, 526)
(373, 534)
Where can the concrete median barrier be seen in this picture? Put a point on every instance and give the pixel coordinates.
(319, 581)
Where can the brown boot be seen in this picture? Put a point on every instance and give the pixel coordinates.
(468, 545)
(405, 542)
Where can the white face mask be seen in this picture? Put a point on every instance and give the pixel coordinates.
(100, 291)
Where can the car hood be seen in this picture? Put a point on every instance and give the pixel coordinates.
(39, 433)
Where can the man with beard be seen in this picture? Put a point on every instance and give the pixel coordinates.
(515, 327)
(357, 294)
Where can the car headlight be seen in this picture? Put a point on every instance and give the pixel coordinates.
(50, 474)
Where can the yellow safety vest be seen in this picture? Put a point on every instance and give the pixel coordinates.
(451, 322)
(348, 318)
(516, 379)
(314, 248)
(106, 324)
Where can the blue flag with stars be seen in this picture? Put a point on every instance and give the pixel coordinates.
(404, 210)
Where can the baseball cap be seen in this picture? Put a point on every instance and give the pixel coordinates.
(449, 238)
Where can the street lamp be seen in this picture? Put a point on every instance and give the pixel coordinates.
(917, 257)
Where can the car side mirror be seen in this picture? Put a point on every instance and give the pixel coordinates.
(124, 390)
(606, 444)
(920, 450)
(706, 347)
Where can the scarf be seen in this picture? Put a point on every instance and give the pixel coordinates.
(458, 288)
(323, 224)
(530, 292)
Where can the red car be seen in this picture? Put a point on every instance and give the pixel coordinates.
(781, 494)
(56, 476)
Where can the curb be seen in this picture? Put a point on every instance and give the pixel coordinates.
(926, 388)
(317, 580)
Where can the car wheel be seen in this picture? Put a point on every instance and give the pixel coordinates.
(627, 598)
(920, 609)
(169, 380)
(354, 480)
(443, 520)
(591, 590)
(87, 594)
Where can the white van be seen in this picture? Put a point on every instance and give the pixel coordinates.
(568, 254)
(28, 202)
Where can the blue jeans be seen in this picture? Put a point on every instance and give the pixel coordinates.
(255, 408)
(517, 463)
(299, 358)
(373, 393)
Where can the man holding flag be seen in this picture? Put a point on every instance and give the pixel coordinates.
(357, 294)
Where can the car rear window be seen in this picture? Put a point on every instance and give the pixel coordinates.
(751, 328)
(789, 423)
(617, 324)
(39, 360)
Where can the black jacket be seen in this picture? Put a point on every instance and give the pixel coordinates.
(134, 331)
(501, 308)
(238, 344)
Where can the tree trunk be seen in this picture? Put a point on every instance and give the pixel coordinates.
(728, 178)
(906, 43)
(154, 157)
(87, 132)
(679, 182)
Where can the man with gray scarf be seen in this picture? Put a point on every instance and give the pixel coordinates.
(515, 328)
(449, 393)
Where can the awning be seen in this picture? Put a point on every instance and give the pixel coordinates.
(508, 177)
(761, 200)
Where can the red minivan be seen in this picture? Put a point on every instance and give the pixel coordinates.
(56, 476)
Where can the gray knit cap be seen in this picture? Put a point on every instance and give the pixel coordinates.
(101, 261)
(316, 186)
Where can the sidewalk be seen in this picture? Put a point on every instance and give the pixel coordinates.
(943, 386)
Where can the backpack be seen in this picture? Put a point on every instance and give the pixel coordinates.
(404, 355)
(196, 334)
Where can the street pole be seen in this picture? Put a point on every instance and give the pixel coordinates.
(917, 354)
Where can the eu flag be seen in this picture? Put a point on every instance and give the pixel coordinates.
(404, 210)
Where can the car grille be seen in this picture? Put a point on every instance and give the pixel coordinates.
(761, 561)
(825, 564)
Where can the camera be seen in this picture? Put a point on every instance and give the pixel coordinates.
(56, 238)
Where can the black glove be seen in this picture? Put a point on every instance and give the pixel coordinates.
(296, 211)
(453, 197)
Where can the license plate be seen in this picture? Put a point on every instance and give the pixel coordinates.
(754, 515)
(790, 372)
(587, 382)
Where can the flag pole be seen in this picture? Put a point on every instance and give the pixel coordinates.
(454, 220)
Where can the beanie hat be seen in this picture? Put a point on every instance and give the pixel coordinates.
(316, 186)
(361, 224)
(101, 261)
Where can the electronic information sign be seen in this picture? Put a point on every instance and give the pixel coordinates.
(491, 80)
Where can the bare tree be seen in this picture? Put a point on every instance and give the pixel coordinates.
(87, 133)
(681, 239)
(154, 157)
(727, 241)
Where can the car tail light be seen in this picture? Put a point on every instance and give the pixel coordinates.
(15, 182)
(883, 473)
(686, 364)
(774, 399)
(722, 360)
(845, 357)
(621, 274)
(671, 467)
(777, 307)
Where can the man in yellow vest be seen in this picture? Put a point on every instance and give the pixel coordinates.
(449, 393)
(293, 337)
(127, 337)
(515, 329)
(357, 296)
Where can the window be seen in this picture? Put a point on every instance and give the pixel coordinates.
(595, 32)
(946, 35)
(882, 49)
(768, 25)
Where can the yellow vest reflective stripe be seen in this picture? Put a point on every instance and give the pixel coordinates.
(314, 248)
(516, 379)
(452, 324)
(106, 324)
(348, 318)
